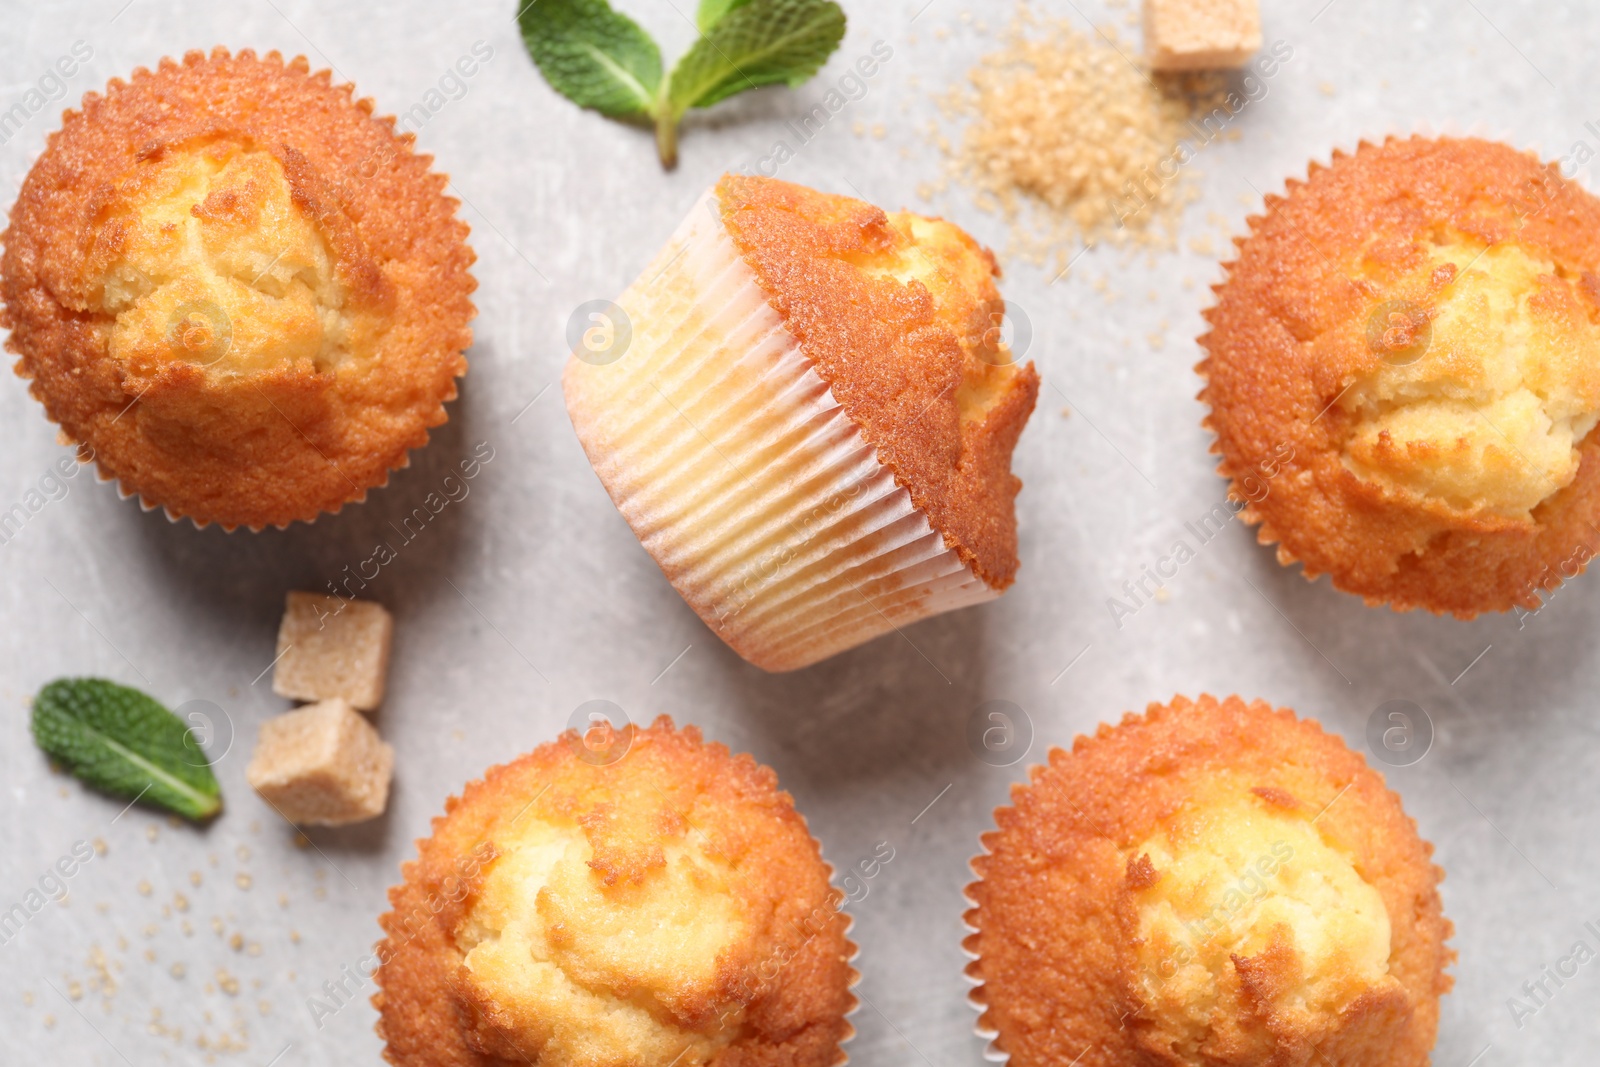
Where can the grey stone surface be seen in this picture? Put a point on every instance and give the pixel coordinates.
(530, 596)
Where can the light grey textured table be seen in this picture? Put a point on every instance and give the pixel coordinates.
(530, 596)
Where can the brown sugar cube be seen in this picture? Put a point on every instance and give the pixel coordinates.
(1201, 34)
(322, 765)
(331, 647)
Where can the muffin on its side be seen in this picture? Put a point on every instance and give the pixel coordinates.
(1207, 883)
(1407, 352)
(647, 900)
(237, 291)
(812, 425)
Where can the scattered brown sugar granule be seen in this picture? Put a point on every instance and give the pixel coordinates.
(1074, 132)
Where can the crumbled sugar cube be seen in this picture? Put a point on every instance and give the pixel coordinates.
(1201, 34)
(331, 647)
(322, 765)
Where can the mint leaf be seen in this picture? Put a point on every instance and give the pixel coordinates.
(120, 741)
(711, 12)
(761, 42)
(594, 56)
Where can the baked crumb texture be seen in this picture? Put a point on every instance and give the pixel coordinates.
(235, 289)
(333, 648)
(1207, 883)
(1417, 329)
(666, 908)
(322, 765)
(811, 430)
(1201, 34)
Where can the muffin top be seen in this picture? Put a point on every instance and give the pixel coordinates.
(1417, 329)
(1211, 882)
(899, 314)
(236, 289)
(640, 898)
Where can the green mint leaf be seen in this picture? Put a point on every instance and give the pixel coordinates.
(761, 42)
(594, 56)
(711, 12)
(120, 741)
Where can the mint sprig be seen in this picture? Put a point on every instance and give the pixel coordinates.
(601, 59)
(122, 742)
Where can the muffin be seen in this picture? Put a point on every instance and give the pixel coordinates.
(237, 291)
(1406, 353)
(641, 899)
(810, 423)
(1209, 883)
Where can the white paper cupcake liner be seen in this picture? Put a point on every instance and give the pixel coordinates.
(176, 519)
(992, 1052)
(855, 973)
(741, 474)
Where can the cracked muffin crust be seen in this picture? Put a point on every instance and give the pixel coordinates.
(1418, 327)
(573, 909)
(1208, 883)
(237, 291)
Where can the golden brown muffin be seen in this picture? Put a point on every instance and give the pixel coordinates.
(666, 907)
(1407, 354)
(811, 428)
(1208, 883)
(236, 290)
(898, 314)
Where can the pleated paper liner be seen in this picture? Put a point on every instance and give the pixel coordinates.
(977, 997)
(177, 519)
(852, 953)
(742, 476)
